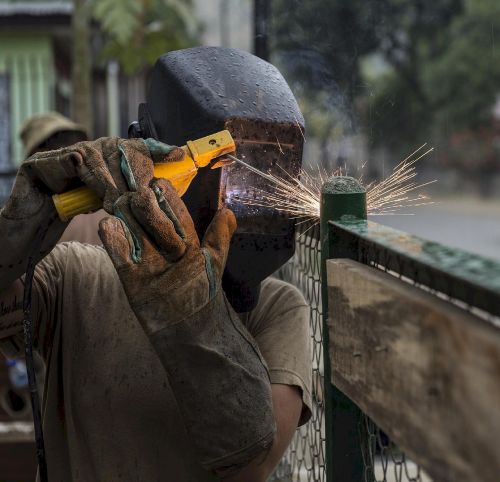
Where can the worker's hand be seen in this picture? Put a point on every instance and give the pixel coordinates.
(29, 225)
(110, 166)
(173, 285)
(152, 242)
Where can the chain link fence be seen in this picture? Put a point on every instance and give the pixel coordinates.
(383, 461)
(305, 460)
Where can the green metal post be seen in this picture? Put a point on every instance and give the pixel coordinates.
(340, 196)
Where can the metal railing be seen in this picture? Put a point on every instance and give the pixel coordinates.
(305, 460)
(342, 443)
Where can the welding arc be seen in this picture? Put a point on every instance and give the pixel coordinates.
(253, 169)
(286, 187)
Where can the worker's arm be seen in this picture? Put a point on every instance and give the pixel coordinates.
(30, 227)
(280, 324)
(29, 223)
(173, 285)
(287, 407)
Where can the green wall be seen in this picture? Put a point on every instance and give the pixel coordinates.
(29, 62)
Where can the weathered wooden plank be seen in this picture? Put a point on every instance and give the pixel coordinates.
(424, 370)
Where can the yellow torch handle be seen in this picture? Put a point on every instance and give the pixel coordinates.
(77, 201)
(199, 153)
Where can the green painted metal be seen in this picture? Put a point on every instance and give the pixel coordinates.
(341, 198)
(467, 277)
(28, 59)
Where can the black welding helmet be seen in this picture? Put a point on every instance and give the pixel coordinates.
(196, 92)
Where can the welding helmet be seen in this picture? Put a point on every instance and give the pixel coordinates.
(198, 91)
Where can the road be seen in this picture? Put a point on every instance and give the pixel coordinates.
(467, 223)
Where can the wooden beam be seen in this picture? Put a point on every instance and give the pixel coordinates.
(424, 370)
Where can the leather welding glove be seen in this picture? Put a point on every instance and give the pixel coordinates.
(29, 225)
(173, 284)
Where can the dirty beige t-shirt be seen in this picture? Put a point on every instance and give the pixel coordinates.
(109, 412)
(83, 228)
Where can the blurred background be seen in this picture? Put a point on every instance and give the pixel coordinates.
(375, 80)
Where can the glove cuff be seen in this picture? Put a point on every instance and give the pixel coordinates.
(221, 385)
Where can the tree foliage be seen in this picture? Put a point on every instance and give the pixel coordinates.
(318, 45)
(452, 83)
(139, 31)
(438, 62)
(464, 82)
(325, 37)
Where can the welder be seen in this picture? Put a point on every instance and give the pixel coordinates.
(151, 373)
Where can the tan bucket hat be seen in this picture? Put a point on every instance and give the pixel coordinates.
(39, 127)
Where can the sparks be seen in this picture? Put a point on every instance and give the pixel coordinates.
(397, 191)
(300, 128)
(300, 196)
(279, 145)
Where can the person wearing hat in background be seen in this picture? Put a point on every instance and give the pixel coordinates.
(48, 131)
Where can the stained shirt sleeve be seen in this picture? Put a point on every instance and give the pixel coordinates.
(280, 325)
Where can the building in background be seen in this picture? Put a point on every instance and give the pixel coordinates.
(35, 39)
(35, 76)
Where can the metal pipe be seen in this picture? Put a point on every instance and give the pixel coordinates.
(113, 86)
(262, 18)
(251, 168)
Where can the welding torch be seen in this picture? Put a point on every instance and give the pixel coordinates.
(199, 154)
